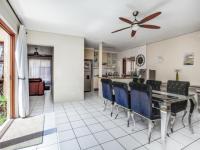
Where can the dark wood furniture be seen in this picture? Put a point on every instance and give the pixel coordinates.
(36, 87)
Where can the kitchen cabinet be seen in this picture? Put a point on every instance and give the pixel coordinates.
(89, 54)
(105, 58)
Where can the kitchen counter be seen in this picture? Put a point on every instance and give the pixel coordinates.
(126, 80)
(117, 78)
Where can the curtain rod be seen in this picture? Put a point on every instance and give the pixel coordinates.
(14, 12)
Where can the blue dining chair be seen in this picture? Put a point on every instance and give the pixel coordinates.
(107, 91)
(122, 98)
(141, 104)
(155, 85)
(181, 88)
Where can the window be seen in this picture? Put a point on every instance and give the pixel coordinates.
(40, 68)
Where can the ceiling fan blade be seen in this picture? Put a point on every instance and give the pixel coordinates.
(149, 17)
(133, 33)
(149, 26)
(125, 20)
(120, 29)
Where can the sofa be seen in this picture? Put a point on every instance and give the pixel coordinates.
(36, 87)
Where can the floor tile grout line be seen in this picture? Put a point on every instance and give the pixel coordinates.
(72, 130)
(45, 122)
(114, 139)
(112, 128)
(113, 122)
(93, 136)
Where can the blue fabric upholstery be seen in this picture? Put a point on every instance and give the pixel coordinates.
(141, 101)
(107, 89)
(155, 85)
(121, 94)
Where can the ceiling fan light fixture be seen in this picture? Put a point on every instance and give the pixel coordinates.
(135, 27)
(36, 52)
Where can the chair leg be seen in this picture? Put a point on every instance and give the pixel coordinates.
(185, 112)
(105, 104)
(150, 126)
(117, 107)
(129, 117)
(132, 116)
(173, 118)
(112, 106)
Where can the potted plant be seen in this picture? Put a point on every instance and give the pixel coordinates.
(3, 110)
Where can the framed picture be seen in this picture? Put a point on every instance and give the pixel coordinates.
(189, 59)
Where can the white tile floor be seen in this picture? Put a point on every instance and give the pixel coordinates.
(84, 125)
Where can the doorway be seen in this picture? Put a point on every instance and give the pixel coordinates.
(40, 66)
(7, 75)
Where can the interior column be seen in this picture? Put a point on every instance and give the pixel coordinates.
(100, 67)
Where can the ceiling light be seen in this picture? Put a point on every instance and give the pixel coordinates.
(135, 27)
(36, 52)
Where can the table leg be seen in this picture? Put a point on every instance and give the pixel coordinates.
(165, 115)
(198, 101)
(192, 105)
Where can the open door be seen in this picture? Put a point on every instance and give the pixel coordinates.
(7, 73)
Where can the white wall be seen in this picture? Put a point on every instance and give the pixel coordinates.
(131, 53)
(68, 63)
(8, 16)
(168, 55)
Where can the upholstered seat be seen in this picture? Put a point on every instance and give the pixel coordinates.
(138, 80)
(181, 88)
(141, 104)
(155, 85)
(122, 97)
(107, 92)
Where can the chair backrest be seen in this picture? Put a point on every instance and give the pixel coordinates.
(154, 84)
(178, 87)
(107, 89)
(121, 94)
(141, 99)
(138, 80)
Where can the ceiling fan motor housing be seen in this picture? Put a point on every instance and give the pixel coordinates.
(135, 13)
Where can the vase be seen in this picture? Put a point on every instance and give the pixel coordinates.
(177, 76)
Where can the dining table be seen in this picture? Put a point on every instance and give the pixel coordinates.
(165, 101)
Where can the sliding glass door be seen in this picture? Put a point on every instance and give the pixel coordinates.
(4, 76)
(7, 74)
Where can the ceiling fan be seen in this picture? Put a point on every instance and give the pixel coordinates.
(37, 54)
(135, 24)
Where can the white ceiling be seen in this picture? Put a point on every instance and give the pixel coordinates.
(96, 19)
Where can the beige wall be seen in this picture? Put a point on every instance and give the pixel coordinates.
(68, 63)
(168, 55)
(131, 53)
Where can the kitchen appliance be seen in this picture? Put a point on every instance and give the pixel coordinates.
(87, 75)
